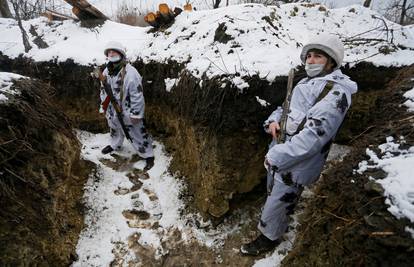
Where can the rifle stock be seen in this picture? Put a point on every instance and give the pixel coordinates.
(283, 120)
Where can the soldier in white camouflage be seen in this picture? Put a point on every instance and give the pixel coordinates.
(126, 85)
(317, 108)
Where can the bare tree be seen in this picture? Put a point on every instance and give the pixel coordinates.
(16, 7)
(216, 3)
(367, 3)
(405, 11)
(4, 9)
(401, 11)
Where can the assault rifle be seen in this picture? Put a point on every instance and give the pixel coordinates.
(97, 73)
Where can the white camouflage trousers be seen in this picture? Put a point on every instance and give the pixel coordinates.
(142, 140)
(282, 197)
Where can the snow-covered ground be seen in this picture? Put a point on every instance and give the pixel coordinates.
(6, 81)
(256, 39)
(119, 215)
(397, 160)
(112, 7)
(399, 184)
(128, 209)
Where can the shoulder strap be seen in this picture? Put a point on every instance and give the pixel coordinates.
(328, 86)
(123, 72)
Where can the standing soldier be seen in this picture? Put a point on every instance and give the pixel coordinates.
(124, 104)
(317, 107)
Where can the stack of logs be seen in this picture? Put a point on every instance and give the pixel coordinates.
(82, 10)
(164, 16)
(86, 12)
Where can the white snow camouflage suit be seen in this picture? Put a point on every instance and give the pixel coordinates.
(133, 106)
(299, 161)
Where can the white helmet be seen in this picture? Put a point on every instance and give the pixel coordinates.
(112, 45)
(328, 43)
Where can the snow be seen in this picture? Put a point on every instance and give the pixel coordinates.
(398, 186)
(338, 152)
(112, 8)
(262, 102)
(254, 46)
(169, 83)
(410, 99)
(6, 81)
(275, 258)
(376, 4)
(410, 230)
(105, 224)
(106, 229)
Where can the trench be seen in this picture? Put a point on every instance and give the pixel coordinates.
(212, 130)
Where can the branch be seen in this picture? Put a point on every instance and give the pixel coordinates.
(26, 43)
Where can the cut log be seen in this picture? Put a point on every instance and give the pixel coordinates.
(53, 15)
(85, 11)
(188, 7)
(166, 13)
(177, 11)
(151, 19)
(159, 18)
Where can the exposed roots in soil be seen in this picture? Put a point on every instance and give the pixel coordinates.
(41, 179)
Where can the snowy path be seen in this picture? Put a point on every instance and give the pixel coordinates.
(126, 208)
(135, 218)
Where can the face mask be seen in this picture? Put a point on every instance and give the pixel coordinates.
(314, 69)
(114, 58)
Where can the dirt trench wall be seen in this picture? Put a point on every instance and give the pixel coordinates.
(213, 130)
(216, 138)
(76, 92)
(41, 180)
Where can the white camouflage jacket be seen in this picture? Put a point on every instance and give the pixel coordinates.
(302, 156)
(133, 104)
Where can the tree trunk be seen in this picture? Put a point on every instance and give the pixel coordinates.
(216, 3)
(4, 9)
(367, 3)
(403, 11)
(26, 43)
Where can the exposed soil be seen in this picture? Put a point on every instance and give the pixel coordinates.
(346, 224)
(41, 180)
(215, 136)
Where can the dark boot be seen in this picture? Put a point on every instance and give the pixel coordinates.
(107, 149)
(260, 245)
(149, 163)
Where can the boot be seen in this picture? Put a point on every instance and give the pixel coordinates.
(107, 149)
(260, 245)
(149, 163)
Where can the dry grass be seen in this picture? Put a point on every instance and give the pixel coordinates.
(130, 15)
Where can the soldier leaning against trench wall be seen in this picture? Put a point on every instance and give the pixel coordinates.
(313, 115)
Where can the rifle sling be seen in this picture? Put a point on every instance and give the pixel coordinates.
(329, 85)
